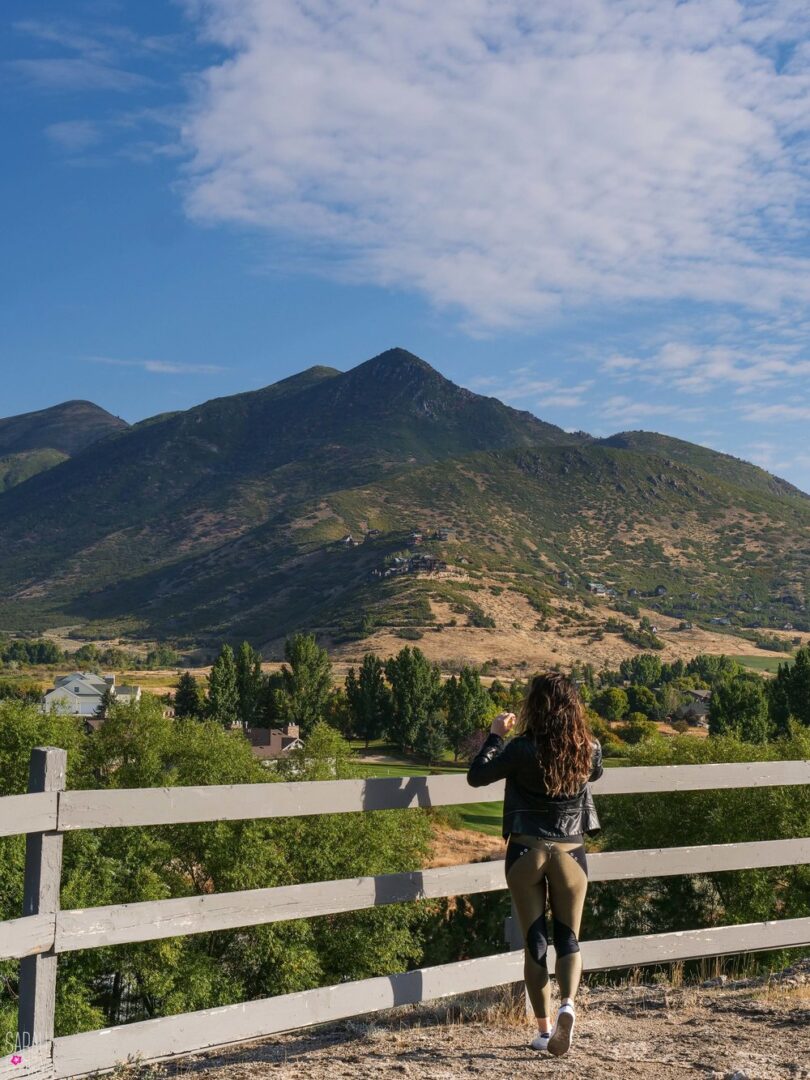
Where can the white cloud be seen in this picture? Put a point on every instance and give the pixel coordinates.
(161, 367)
(703, 369)
(512, 158)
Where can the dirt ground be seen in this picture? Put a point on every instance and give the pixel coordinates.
(745, 1030)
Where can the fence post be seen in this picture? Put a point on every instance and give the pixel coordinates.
(43, 875)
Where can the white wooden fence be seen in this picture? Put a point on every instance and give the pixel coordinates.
(44, 931)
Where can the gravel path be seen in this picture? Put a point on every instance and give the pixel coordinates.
(749, 1030)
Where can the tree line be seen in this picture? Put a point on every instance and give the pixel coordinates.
(402, 699)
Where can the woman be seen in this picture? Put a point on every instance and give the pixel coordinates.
(547, 809)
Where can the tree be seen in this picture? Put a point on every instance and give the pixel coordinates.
(643, 670)
(739, 707)
(638, 728)
(223, 693)
(431, 736)
(642, 700)
(789, 692)
(162, 656)
(249, 683)
(107, 701)
(188, 698)
(415, 686)
(712, 669)
(306, 684)
(369, 698)
(467, 706)
(612, 703)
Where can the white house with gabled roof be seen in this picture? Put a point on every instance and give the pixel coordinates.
(81, 693)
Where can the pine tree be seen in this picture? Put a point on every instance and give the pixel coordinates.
(223, 694)
(369, 698)
(249, 683)
(416, 688)
(188, 698)
(306, 684)
(107, 699)
(467, 705)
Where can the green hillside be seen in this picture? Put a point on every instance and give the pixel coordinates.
(226, 519)
(15, 468)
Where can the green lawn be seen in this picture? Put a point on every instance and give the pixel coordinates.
(761, 663)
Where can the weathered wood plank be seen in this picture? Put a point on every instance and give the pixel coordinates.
(190, 1032)
(43, 876)
(36, 1063)
(27, 936)
(163, 806)
(704, 859)
(660, 778)
(123, 923)
(34, 812)
(233, 802)
(692, 944)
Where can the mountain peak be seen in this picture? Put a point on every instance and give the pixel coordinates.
(398, 361)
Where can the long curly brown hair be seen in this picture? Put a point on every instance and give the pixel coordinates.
(552, 715)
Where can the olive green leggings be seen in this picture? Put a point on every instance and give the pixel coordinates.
(536, 868)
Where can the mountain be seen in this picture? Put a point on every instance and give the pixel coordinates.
(36, 441)
(68, 428)
(226, 519)
(724, 466)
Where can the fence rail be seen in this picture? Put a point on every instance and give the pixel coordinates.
(44, 932)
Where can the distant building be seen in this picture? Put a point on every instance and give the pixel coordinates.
(696, 713)
(597, 587)
(82, 692)
(272, 743)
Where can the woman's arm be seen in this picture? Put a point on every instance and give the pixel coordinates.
(596, 761)
(496, 759)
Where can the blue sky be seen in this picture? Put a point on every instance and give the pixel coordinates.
(593, 210)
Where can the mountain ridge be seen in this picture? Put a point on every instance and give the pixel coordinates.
(224, 517)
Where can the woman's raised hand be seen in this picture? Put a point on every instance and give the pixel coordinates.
(503, 723)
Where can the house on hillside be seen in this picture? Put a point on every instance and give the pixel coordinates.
(700, 695)
(695, 713)
(597, 588)
(270, 744)
(82, 693)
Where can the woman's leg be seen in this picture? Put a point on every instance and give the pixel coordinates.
(567, 875)
(525, 877)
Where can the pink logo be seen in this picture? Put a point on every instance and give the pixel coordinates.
(16, 1059)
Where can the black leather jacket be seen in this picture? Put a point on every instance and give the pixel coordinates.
(527, 807)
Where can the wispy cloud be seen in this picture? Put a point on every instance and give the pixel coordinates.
(627, 410)
(538, 392)
(73, 136)
(76, 73)
(518, 158)
(161, 367)
(87, 56)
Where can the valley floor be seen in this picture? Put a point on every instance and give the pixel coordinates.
(749, 1030)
